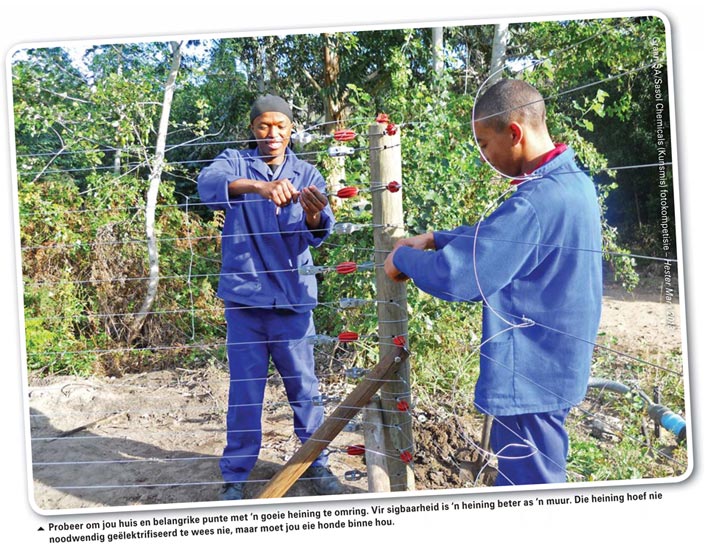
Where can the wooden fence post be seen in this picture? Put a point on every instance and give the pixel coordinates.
(387, 208)
(375, 443)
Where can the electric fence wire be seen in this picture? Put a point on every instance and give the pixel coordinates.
(133, 166)
(350, 123)
(79, 243)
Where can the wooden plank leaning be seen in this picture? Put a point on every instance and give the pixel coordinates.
(330, 428)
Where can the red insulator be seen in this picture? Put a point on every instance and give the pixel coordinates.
(393, 187)
(400, 341)
(391, 129)
(355, 450)
(346, 267)
(347, 192)
(402, 405)
(406, 456)
(382, 118)
(348, 336)
(344, 135)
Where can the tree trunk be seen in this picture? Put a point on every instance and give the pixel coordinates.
(333, 109)
(157, 166)
(438, 47)
(119, 151)
(263, 69)
(501, 38)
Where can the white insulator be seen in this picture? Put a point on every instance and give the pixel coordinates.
(355, 372)
(310, 270)
(320, 339)
(352, 425)
(340, 151)
(348, 303)
(301, 138)
(354, 475)
(346, 227)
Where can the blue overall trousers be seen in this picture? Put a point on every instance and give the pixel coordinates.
(255, 336)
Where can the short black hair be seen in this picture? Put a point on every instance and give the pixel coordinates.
(510, 100)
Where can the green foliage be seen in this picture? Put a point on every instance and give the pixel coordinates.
(585, 458)
(55, 331)
(627, 447)
(627, 458)
(80, 294)
(615, 116)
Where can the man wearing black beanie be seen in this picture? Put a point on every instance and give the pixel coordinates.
(276, 209)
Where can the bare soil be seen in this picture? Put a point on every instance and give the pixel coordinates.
(155, 438)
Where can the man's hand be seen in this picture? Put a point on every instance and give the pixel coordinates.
(313, 202)
(422, 241)
(390, 269)
(281, 192)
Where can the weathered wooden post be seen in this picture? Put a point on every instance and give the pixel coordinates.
(375, 443)
(387, 207)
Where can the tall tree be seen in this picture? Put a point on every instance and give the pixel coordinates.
(157, 165)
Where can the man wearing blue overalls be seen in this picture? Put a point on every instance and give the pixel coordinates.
(536, 264)
(275, 210)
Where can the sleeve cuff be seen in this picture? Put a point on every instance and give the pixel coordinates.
(319, 234)
(402, 259)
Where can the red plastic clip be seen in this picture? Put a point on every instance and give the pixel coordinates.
(393, 187)
(347, 192)
(402, 405)
(391, 129)
(382, 118)
(355, 450)
(406, 456)
(346, 267)
(400, 341)
(348, 336)
(344, 135)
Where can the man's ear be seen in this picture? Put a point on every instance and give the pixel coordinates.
(517, 132)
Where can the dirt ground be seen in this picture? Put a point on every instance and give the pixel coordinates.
(155, 438)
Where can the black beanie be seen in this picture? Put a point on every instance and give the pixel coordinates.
(270, 103)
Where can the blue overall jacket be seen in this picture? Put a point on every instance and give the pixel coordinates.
(538, 263)
(262, 247)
